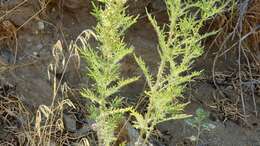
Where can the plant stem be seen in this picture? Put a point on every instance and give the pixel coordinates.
(159, 76)
(198, 134)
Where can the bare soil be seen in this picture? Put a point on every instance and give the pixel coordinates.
(26, 53)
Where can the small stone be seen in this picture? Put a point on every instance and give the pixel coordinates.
(158, 5)
(39, 46)
(6, 56)
(94, 126)
(229, 87)
(35, 53)
(84, 130)
(69, 123)
(40, 25)
(211, 126)
(193, 138)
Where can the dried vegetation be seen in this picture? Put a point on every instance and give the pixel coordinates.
(239, 33)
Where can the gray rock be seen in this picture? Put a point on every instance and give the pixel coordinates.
(8, 2)
(39, 46)
(134, 135)
(84, 130)
(158, 4)
(69, 123)
(41, 25)
(6, 56)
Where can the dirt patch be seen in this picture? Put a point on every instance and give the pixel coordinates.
(26, 52)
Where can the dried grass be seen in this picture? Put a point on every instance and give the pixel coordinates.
(239, 31)
(13, 114)
(46, 127)
(24, 128)
(239, 22)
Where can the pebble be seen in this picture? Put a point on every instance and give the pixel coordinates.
(7, 2)
(84, 130)
(53, 10)
(6, 56)
(158, 5)
(36, 54)
(229, 88)
(69, 123)
(39, 46)
(193, 138)
(41, 25)
(211, 126)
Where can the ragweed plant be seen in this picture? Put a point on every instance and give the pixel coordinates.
(179, 43)
(200, 122)
(103, 64)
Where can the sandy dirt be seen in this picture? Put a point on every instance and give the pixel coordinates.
(26, 53)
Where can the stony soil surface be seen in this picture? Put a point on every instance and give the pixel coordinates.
(27, 38)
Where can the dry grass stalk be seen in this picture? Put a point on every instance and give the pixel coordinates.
(240, 27)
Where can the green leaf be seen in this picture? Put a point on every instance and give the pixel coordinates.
(120, 84)
(87, 93)
(145, 70)
(140, 122)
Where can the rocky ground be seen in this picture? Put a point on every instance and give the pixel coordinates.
(29, 30)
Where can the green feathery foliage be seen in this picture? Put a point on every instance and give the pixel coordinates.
(179, 43)
(103, 65)
(200, 122)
